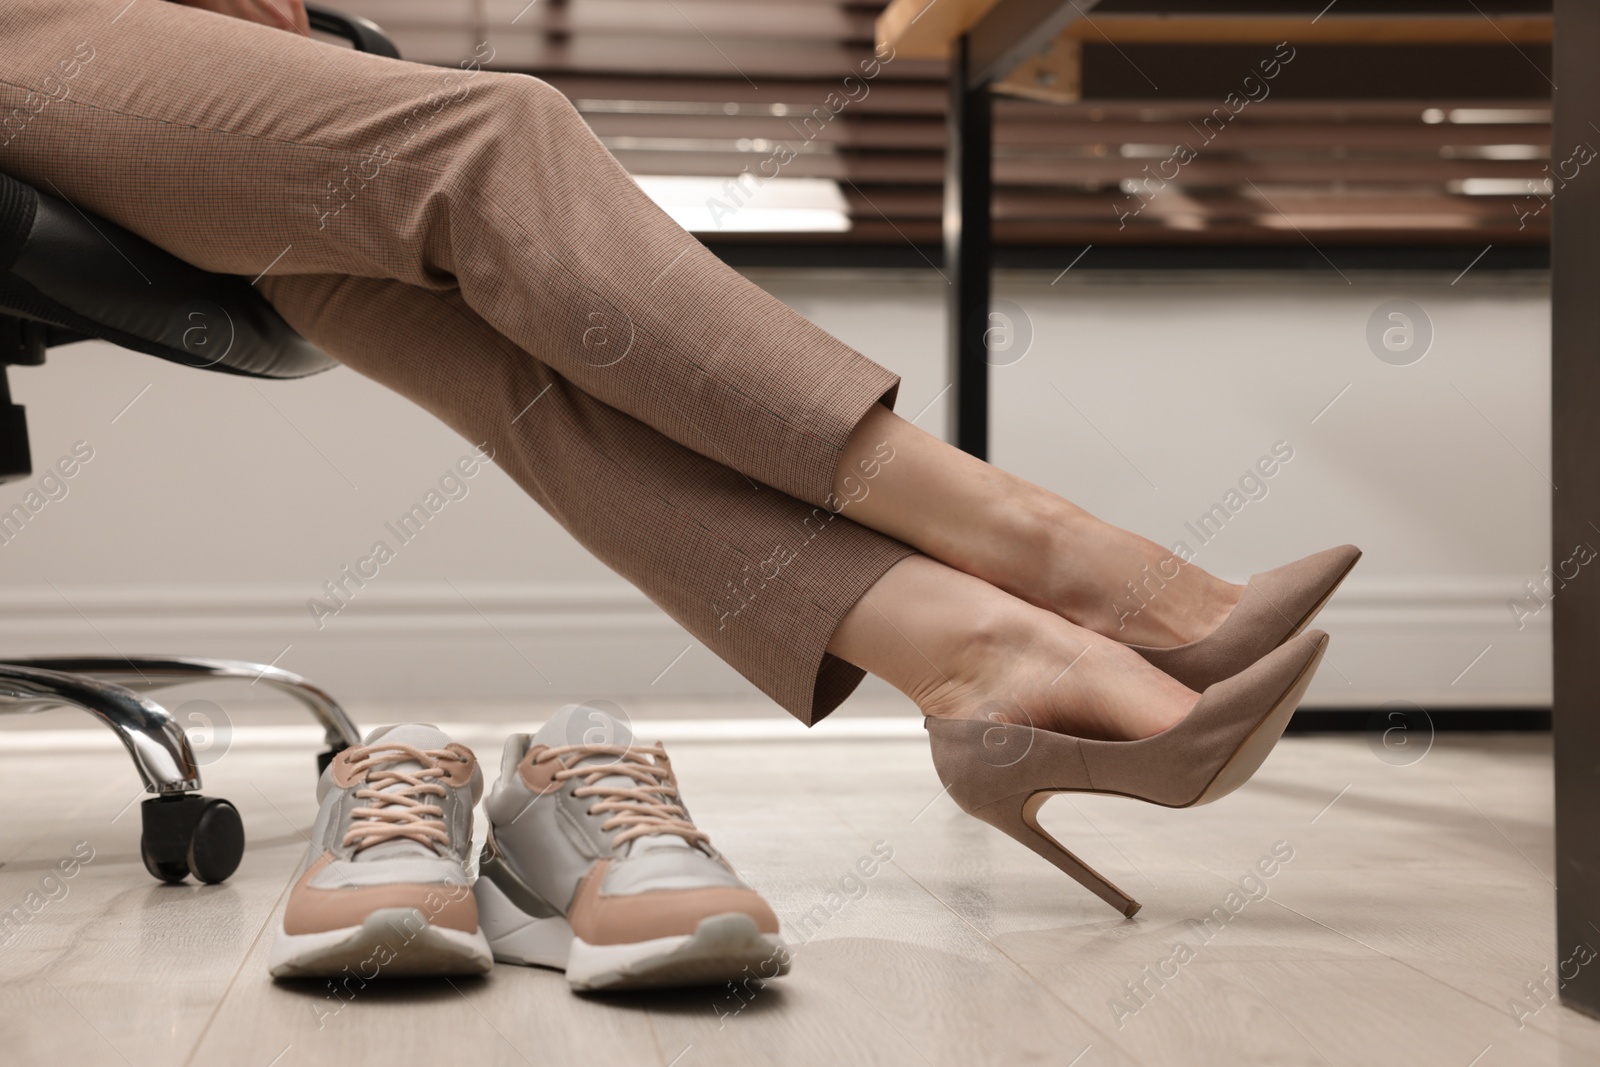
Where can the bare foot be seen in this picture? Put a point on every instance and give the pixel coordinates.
(1128, 588)
(962, 648)
(1036, 669)
(1020, 538)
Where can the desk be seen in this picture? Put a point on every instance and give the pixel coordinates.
(988, 41)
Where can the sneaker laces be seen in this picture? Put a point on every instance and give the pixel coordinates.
(398, 810)
(651, 805)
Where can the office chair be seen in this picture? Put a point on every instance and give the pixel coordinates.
(66, 276)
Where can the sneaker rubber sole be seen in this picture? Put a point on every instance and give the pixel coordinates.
(723, 948)
(390, 943)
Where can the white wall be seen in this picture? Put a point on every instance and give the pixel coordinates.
(214, 507)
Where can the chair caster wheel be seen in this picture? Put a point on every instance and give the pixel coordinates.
(188, 834)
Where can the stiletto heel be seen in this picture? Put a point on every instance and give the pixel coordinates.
(1003, 773)
(1018, 816)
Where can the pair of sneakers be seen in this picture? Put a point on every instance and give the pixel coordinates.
(592, 865)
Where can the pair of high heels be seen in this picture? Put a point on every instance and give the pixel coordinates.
(1251, 673)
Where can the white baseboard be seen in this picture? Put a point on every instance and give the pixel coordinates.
(437, 643)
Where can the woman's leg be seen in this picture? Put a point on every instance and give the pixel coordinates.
(762, 579)
(799, 599)
(1026, 540)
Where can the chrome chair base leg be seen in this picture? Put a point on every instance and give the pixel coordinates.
(147, 674)
(157, 745)
(184, 833)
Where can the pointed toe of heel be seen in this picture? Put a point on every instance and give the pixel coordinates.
(1281, 689)
(1276, 607)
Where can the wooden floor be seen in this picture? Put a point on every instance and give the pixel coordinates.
(1413, 924)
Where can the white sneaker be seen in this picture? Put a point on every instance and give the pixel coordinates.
(594, 867)
(384, 889)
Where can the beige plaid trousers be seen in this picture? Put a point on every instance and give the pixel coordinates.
(461, 236)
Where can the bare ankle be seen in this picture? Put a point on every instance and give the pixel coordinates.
(986, 641)
(1120, 594)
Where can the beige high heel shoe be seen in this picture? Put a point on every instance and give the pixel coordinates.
(1003, 774)
(1276, 606)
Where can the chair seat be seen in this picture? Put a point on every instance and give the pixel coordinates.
(88, 277)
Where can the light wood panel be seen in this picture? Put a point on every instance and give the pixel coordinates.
(925, 28)
(1333, 28)
(1415, 907)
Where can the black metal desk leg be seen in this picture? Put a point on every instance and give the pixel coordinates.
(1575, 456)
(968, 184)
